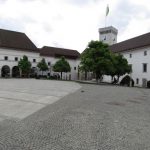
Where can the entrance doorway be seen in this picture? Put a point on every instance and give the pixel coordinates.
(5, 72)
(144, 82)
(15, 72)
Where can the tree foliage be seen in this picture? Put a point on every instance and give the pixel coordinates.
(24, 65)
(42, 65)
(61, 66)
(121, 66)
(97, 58)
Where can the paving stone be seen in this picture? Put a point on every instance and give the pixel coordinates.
(90, 120)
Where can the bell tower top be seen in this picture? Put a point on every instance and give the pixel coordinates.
(108, 35)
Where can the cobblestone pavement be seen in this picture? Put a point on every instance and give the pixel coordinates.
(93, 118)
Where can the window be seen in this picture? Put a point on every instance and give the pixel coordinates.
(131, 67)
(145, 53)
(34, 60)
(104, 38)
(6, 58)
(144, 67)
(16, 58)
(49, 63)
(130, 55)
(137, 81)
(75, 68)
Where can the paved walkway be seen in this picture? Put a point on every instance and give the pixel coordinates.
(93, 118)
(20, 98)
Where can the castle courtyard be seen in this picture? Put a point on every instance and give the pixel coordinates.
(59, 115)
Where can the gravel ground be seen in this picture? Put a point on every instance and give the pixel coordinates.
(93, 118)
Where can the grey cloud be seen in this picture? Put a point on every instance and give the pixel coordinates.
(11, 24)
(58, 17)
(56, 44)
(33, 0)
(3, 1)
(81, 2)
(124, 12)
(47, 27)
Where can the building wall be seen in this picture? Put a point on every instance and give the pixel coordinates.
(73, 75)
(11, 54)
(137, 60)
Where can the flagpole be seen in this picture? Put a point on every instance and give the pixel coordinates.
(105, 21)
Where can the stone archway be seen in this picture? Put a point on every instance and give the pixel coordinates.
(15, 72)
(5, 71)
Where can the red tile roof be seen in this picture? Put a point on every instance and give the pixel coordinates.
(131, 44)
(16, 40)
(58, 52)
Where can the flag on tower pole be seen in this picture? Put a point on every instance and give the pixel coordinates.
(107, 10)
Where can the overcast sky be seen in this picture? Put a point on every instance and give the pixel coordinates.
(73, 23)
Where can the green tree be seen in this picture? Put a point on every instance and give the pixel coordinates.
(121, 66)
(24, 66)
(61, 66)
(96, 58)
(42, 65)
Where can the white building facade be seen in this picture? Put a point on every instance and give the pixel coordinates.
(137, 53)
(14, 45)
(9, 58)
(139, 59)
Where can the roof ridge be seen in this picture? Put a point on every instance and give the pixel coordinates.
(12, 31)
(131, 44)
(17, 40)
(59, 48)
(132, 38)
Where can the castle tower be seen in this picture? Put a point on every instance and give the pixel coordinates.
(108, 35)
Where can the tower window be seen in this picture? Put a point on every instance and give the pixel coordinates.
(75, 68)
